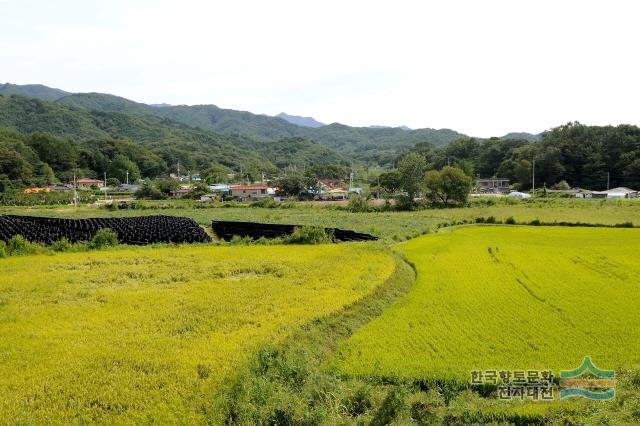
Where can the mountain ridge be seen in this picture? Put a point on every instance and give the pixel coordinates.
(300, 120)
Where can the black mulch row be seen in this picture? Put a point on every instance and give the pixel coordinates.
(227, 230)
(130, 230)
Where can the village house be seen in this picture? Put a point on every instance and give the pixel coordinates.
(492, 186)
(329, 184)
(88, 183)
(180, 191)
(250, 192)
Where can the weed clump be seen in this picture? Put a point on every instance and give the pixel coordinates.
(104, 238)
(61, 245)
(308, 235)
(18, 246)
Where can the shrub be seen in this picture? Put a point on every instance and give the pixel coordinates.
(624, 225)
(490, 219)
(18, 246)
(61, 245)
(359, 204)
(104, 238)
(393, 404)
(266, 203)
(510, 221)
(535, 222)
(3, 249)
(405, 203)
(360, 402)
(308, 235)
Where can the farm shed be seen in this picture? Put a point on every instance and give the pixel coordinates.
(492, 185)
(620, 192)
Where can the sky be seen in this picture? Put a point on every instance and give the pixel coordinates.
(483, 68)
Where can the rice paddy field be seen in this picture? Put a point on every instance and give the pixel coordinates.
(513, 298)
(144, 335)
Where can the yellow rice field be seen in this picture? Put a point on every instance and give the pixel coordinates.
(142, 335)
(499, 297)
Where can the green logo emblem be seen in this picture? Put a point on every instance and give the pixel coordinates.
(588, 381)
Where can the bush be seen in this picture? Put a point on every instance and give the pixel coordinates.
(535, 222)
(104, 238)
(61, 245)
(624, 225)
(308, 235)
(359, 204)
(18, 246)
(510, 221)
(360, 402)
(393, 404)
(267, 203)
(3, 249)
(405, 203)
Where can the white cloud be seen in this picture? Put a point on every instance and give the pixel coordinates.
(483, 68)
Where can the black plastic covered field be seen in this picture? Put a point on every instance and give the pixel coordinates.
(228, 229)
(130, 230)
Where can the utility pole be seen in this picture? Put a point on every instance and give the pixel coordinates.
(533, 177)
(75, 191)
(608, 181)
(178, 170)
(127, 177)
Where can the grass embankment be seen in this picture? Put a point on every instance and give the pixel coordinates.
(390, 226)
(289, 383)
(140, 335)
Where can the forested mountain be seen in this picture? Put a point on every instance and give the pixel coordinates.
(374, 145)
(33, 91)
(42, 138)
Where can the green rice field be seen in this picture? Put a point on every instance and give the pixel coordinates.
(499, 297)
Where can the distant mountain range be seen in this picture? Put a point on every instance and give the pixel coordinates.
(375, 126)
(33, 91)
(523, 136)
(375, 144)
(300, 121)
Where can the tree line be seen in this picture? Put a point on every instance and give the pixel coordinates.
(575, 154)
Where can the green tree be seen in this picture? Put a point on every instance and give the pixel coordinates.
(390, 182)
(14, 166)
(295, 184)
(411, 169)
(47, 174)
(148, 191)
(60, 154)
(119, 167)
(450, 184)
(215, 173)
(166, 186)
